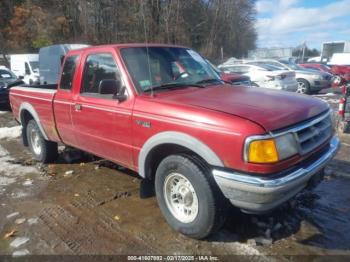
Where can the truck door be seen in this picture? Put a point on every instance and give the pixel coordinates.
(102, 123)
(63, 101)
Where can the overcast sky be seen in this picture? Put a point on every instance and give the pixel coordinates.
(289, 23)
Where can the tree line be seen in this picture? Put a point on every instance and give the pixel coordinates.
(215, 28)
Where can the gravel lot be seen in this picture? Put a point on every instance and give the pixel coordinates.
(81, 205)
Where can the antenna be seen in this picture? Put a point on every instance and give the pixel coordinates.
(146, 40)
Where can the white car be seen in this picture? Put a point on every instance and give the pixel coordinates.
(266, 76)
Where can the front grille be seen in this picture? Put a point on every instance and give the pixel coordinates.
(312, 135)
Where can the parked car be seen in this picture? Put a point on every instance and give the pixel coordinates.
(198, 141)
(340, 69)
(308, 81)
(317, 67)
(315, 59)
(7, 80)
(341, 73)
(233, 78)
(26, 67)
(264, 75)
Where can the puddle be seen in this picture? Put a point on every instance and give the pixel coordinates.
(331, 215)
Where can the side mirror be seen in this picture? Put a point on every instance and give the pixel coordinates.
(21, 77)
(112, 87)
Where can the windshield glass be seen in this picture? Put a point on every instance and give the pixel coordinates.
(292, 65)
(268, 67)
(215, 68)
(157, 66)
(4, 74)
(34, 65)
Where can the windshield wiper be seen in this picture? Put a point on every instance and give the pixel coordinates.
(171, 86)
(209, 80)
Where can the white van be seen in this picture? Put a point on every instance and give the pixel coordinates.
(26, 66)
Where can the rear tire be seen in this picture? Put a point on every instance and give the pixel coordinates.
(303, 86)
(43, 150)
(189, 197)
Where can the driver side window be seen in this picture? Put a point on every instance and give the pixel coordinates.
(98, 67)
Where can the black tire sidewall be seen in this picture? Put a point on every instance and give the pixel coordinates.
(205, 220)
(30, 126)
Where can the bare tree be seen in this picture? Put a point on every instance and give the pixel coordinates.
(206, 25)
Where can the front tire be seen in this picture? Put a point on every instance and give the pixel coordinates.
(43, 150)
(188, 197)
(303, 86)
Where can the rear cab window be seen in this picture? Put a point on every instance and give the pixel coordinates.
(68, 72)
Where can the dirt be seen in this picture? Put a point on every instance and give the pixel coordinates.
(83, 205)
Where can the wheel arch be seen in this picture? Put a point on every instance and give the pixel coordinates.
(303, 79)
(26, 113)
(166, 143)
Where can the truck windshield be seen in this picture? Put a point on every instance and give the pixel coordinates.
(291, 65)
(168, 67)
(34, 65)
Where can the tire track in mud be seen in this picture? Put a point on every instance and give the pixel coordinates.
(63, 224)
(92, 204)
(86, 227)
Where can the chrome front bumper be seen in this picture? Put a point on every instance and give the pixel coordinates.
(258, 195)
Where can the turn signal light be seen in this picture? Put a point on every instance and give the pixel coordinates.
(263, 151)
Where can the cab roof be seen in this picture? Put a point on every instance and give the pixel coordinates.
(120, 46)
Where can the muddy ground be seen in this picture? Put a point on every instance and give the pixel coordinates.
(82, 205)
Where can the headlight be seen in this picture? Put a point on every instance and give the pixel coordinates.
(270, 150)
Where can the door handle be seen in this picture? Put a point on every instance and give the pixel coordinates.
(77, 107)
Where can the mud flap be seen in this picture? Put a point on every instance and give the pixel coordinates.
(146, 188)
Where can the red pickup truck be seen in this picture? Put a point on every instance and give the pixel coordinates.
(203, 143)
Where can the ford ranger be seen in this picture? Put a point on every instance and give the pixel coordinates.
(162, 111)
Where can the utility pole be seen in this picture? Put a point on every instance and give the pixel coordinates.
(302, 57)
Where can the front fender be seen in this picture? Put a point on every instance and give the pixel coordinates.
(181, 139)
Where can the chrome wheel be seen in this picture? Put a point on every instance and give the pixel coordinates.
(35, 141)
(180, 198)
(301, 88)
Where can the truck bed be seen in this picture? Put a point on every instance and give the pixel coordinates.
(38, 100)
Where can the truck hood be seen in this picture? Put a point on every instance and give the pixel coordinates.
(271, 109)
